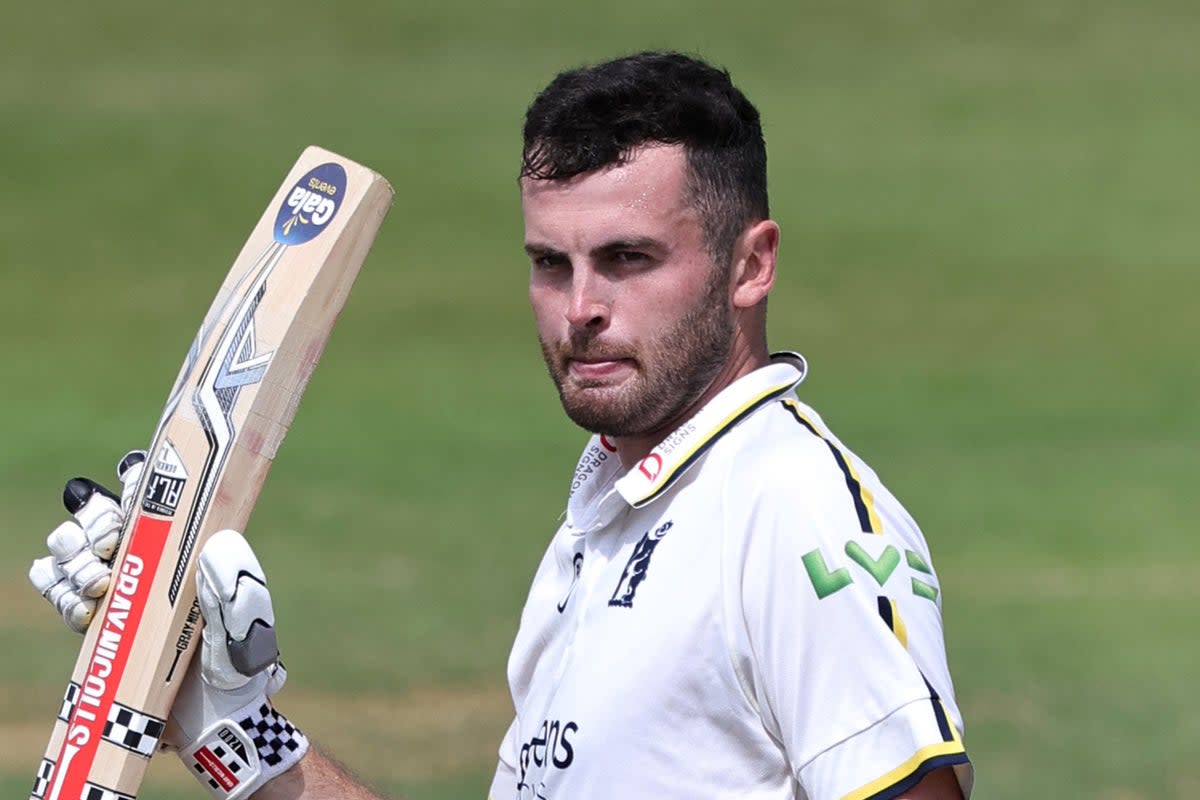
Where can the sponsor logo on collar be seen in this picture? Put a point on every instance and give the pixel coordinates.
(598, 451)
(651, 466)
(667, 462)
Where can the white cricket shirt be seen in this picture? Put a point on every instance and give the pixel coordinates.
(747, 613)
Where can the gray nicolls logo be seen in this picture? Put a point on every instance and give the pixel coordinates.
(635, 570)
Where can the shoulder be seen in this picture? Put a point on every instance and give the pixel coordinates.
(785, 455)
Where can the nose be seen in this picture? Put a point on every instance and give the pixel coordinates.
(587, 307)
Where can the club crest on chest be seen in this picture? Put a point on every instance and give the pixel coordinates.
(637, 566)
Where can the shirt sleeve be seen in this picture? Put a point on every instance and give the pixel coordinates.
(813, 643)
(504, 783)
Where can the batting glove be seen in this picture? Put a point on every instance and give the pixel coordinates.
(222, 725)
(76, 573)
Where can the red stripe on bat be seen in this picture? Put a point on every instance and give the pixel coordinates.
(216, 768)
(128, 595)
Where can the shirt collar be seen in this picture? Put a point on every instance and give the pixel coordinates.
(598, 474)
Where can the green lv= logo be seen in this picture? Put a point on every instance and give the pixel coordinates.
(826, 581)
(879, 568)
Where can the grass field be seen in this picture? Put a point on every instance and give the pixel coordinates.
(990, 247)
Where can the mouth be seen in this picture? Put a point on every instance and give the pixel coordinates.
(596, 370)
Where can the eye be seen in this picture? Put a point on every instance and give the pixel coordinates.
(548, 261)
(632, 257)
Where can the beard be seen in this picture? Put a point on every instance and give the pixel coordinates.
(670, 371)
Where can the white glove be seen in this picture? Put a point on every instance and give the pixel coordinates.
(222, 724)
(76, 573)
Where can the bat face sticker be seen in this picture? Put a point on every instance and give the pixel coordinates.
(311, 205)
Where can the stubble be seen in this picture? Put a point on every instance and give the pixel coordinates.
(671, 370)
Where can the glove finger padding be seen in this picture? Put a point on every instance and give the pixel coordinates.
(78, 569)
(53, 585)
(129, 473)
(86, 570)
(98, 512)
(239, 635)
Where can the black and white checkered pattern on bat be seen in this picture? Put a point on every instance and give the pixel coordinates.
(41, 781)
(93, 792)
(70, 700)
(133, 730)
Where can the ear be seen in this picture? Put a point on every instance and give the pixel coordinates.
(754, 264)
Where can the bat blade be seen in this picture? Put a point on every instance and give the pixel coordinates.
(221, 426)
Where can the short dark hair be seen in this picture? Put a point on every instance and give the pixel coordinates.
(591, 117)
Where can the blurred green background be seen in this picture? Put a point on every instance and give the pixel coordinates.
(990, 239)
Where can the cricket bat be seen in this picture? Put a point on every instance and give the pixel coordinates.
(223, 422)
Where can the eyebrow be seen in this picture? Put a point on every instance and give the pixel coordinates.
(536, 249)
(636, 243)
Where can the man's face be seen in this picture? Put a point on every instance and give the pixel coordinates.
(633, 318)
